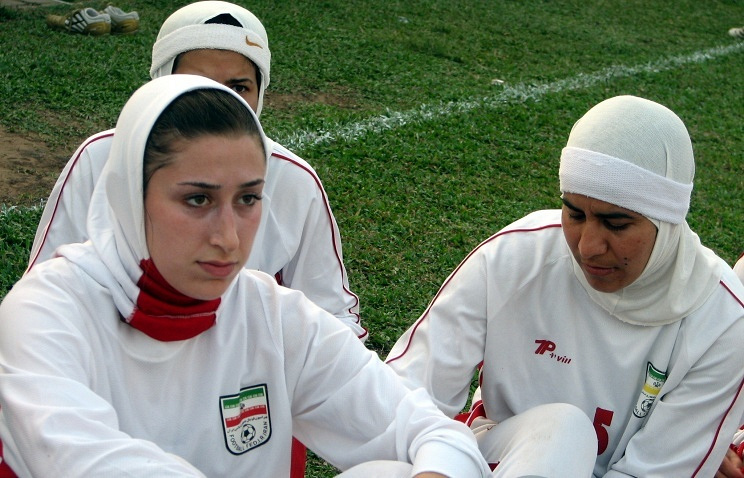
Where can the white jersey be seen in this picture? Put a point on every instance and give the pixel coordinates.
(664, 399)
(298, 241)
(227, 401)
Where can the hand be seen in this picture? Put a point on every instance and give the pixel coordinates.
(731, 467)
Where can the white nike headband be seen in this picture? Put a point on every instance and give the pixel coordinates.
(624, 184)
(633, 153)
(186, 30)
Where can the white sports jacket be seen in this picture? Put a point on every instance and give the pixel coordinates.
(665, 399)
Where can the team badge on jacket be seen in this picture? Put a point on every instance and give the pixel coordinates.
(246, 419)
(654, 381)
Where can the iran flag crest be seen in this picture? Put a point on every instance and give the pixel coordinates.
(246, 419)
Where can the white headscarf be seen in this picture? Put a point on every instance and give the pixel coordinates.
(186, 29)
(637, 154)
(116, 224)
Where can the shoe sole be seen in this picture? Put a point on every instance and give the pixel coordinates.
(124, 27)
(96, 29)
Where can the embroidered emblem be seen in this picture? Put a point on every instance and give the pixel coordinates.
(250, 43)
(654, 381)
(245, 419)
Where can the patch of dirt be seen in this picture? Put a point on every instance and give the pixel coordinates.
(28, 169)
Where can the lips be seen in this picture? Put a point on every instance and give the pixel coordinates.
(598, 270)
(218, 269)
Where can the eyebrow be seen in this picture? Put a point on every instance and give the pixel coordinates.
(611, 215)
(213, 187)
(234, 81)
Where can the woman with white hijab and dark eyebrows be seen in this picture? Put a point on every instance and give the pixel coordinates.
(300, 240)
(608, 338)
(150, 350)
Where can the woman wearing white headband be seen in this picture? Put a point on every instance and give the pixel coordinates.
(300, 242)
(151, 351)
(608, 338)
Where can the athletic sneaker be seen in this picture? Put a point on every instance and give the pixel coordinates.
(85, 21)
(737, 32)
(122, 22)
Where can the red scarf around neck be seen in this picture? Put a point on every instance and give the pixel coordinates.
(165, 314)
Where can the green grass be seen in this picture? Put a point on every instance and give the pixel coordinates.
(412, 200)
(17, 228)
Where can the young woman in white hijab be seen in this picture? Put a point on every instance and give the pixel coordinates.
(607, 316)
(300, 242)
(151, 351)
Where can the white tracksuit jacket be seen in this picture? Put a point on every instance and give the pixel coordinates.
(298, 241)
(540, 339)
(75, 376)
(83, 393)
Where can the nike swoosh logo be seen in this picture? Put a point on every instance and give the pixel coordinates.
(250, 43)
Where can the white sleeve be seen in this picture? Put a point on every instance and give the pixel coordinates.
(63, 220)
(441, 351)
(300, 207)
(47, 403)
(691, 427)
(350, 408)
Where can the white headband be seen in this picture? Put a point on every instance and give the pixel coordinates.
(213, 37)
(624, 184)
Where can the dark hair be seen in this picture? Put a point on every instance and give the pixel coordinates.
(225, 19)
(194, 114)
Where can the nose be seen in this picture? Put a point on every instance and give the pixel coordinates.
(225, 233)
(592, 242)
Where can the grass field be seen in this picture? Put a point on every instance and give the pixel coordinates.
(432, 124)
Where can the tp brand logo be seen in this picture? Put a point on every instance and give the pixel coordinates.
(544, 346)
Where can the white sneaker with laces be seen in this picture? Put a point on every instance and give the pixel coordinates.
(122, 22)
(86, 21)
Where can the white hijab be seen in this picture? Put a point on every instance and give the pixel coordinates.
(637, 154)
(116, 226)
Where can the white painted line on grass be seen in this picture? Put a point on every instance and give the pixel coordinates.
(509, 95)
